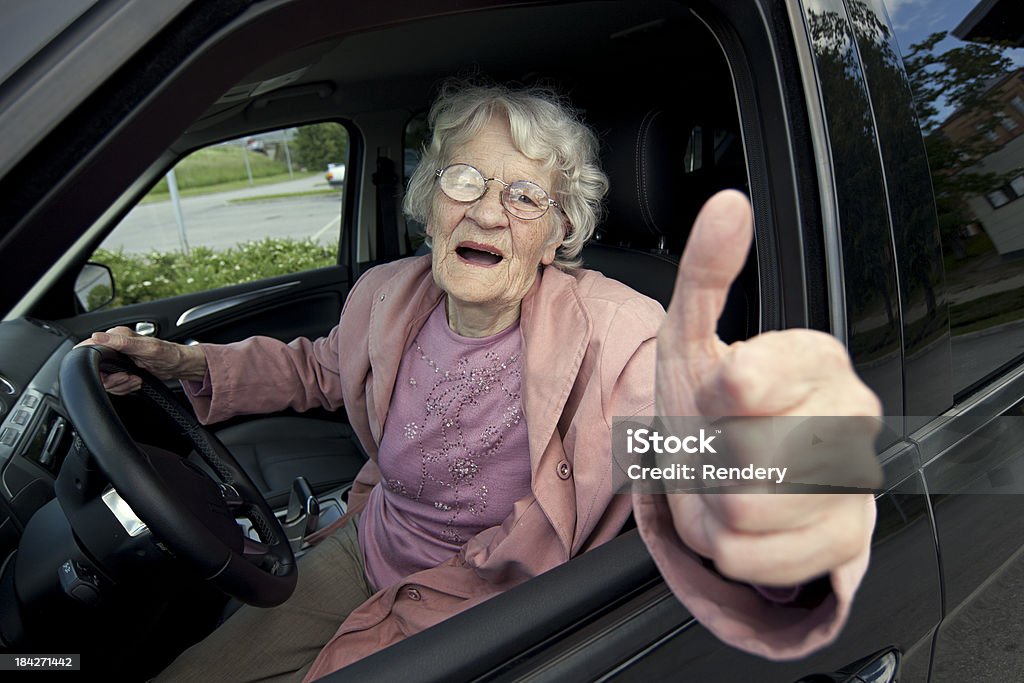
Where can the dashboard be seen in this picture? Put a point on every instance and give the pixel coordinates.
(35, 435)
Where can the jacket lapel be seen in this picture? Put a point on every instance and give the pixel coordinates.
(556, 334)
(398, 311)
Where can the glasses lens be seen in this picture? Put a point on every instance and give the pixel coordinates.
(526, 200)
(462, 183)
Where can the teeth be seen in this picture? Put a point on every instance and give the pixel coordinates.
(486, 251)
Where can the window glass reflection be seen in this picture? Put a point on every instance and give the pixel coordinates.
(968, 82)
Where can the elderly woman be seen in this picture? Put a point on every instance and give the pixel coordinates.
(482, 381)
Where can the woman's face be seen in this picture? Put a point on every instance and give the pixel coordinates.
(484, 258)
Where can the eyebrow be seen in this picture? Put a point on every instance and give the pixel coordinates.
(502, 177)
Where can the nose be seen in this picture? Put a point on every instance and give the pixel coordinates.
(488, 211)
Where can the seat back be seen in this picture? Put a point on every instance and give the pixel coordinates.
(663, 166)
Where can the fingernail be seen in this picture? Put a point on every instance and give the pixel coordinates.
(101, 337)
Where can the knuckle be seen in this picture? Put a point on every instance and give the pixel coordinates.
(845, 539)
(739, 377)
(847, 531)
(817, 347)
(742, 511)
(872, 404)
(831, 350)
(729, 556)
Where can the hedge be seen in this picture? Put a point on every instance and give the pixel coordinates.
(158, 275)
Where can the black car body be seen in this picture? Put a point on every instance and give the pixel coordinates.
(862, 230)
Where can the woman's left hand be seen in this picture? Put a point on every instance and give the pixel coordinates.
(766, 539)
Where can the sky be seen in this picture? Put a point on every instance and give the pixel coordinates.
(915, 20)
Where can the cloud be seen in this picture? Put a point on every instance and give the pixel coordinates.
(894, 6)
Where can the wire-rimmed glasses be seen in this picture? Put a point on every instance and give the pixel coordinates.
(521, 198)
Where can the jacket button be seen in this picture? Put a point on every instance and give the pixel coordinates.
(413, 594)
(563, 469)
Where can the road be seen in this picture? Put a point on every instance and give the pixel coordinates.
(977, 353)
(212, 220)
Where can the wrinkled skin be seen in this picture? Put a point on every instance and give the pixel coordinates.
(165, 360)
(769, 539)
(485, 299)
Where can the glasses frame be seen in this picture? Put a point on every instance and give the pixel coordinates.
(504, 192)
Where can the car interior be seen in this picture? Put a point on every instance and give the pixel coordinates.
(650, 77)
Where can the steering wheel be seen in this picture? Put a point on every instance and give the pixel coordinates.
(187, 510)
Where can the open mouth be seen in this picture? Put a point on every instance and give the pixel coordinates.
(479, 254)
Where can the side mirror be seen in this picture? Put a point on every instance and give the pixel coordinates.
(94, 286)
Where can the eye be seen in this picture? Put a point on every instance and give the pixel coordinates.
(528, 195)
(525, 200)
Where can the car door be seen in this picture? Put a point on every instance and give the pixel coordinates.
(838, 273)
(966, 385)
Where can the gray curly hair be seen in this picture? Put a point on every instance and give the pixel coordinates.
(543, 128)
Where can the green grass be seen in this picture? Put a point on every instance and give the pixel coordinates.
(987, 311)
(283, 195)
(223, 164)
(225, 187)
(218, 169)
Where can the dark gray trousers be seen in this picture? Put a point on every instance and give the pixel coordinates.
(280, 643)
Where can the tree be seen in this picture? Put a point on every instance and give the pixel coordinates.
(320, 144)
(962, 78)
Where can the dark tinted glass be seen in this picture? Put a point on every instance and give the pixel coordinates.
(966, 65)
(417, 134)
(872, 299)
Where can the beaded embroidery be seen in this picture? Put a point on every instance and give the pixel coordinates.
(450, 391)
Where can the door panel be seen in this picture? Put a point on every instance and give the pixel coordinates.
(975, 474)
(897, 605)
(299, 304)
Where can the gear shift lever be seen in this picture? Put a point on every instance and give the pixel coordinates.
(303, 513)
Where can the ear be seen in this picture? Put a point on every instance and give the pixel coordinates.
(561, 231)
(430, 229)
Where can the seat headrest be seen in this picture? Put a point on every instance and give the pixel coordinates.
(643, 157)
(663, 164)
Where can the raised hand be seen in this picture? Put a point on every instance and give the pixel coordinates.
(767, 539)
(166, 360)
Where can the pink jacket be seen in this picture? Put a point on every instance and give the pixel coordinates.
(589, 355)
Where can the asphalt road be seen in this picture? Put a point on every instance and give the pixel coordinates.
(214, 221)
(978, 353)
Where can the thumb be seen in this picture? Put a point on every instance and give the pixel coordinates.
(714, 256)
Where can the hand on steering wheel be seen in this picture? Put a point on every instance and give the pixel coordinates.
(190, 512)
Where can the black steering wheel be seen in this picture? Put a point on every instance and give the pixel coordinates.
(187, 510)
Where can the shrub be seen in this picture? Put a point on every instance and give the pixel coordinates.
(158, 275)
